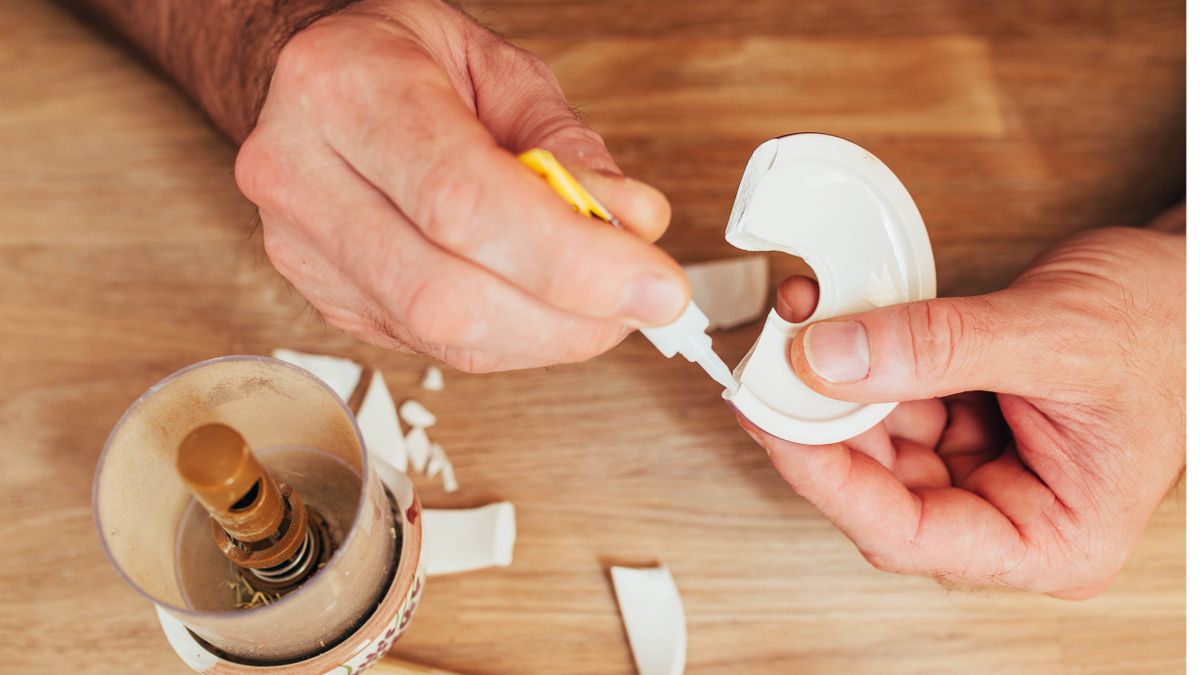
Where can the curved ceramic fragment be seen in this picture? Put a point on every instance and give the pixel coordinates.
(654, 621)
(416, 415)
(832, 203)
(340, 374)
(419, 448)
(461, 540)
(380, 425)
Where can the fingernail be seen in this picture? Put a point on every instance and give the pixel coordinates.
(652, 301)
(838, 350)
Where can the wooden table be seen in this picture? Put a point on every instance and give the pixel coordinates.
(126, 252)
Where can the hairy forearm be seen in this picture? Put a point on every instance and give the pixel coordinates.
(221, 52)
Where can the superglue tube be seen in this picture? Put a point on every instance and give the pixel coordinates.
(684, 335)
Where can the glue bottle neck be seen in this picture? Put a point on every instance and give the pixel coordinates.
(686, 336)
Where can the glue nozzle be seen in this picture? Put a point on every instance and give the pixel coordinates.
(686, 336)
(716, 368)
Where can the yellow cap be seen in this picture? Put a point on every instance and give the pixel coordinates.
(546, 165)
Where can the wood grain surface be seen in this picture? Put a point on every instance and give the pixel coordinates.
(126, 252)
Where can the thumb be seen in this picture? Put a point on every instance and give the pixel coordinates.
(922, 350)
(519, 100)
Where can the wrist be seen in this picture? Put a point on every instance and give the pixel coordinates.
(232, 73)
(221, 52)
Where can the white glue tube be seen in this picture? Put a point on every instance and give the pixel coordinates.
(686, 336)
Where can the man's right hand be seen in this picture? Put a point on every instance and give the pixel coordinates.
(382, 165)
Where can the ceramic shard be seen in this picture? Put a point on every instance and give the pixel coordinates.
(432, 380)
(380, 425)
(418, 448)
(416, 415)
(654, 621)
(449, 481)
(461, 540)
(437, 460)
(731, 292)
(340, 374)
(439, 463)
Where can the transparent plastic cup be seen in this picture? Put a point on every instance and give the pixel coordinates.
(158, 538)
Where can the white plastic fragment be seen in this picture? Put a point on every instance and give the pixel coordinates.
(654, 621)
(418, 448)
(461, 540)
(731, 292)
(340, 374)
(449, 481)
(380, 425)
(437, 460)
(432, 381)
(416, 415)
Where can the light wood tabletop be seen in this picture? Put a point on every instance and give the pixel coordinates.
(126, 252)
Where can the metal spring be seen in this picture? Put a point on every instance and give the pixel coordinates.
(292, 568)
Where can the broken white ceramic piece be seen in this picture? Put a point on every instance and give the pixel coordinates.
(432, 380)
(731, 292)
(340, 374)
(449, 480)
(832, 203)
(380, 425)
(461, 540)
(437, 460)
(418, 448)
(416, 415)
(654, 621)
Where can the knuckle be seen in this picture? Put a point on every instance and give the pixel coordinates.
(309, 59)
(449, 206)
(937, 330)
(524, 63)
(259, 174)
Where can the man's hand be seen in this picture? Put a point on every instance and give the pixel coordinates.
(1059, 428)
(382, 164)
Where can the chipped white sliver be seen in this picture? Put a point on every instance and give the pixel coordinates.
(432, 380)
(654, 620)
(439, 463)
(340, 374)
(449, 481)
(437, 460)
(380, 425)
(732, 291)
(416, 415)
(461, 540)
(418, 448)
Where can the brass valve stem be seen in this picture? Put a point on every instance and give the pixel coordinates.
(257, 522)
